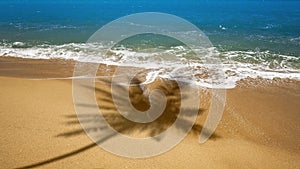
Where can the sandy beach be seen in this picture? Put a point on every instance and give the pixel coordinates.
(259, 129)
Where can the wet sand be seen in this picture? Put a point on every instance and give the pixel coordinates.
(259, 129)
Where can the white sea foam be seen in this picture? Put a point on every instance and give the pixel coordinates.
(173, 63)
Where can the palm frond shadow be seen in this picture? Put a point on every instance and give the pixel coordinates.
(123, 125)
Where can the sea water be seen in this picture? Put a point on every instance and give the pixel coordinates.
(251, 37)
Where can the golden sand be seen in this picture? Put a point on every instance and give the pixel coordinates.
(259, 129)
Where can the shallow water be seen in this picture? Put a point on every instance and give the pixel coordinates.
(252, 38)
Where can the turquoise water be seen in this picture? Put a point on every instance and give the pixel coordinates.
(230, 25)
(263, 34)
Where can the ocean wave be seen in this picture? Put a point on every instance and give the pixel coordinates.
(176, 62)
(40, 27)
(295, 40)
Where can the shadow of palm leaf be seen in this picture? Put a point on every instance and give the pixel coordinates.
(120, 123)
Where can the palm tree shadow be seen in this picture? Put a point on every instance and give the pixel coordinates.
(119, 123)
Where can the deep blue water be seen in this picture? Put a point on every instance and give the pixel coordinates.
(230, 25)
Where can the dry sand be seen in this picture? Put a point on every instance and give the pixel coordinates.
(259, 129)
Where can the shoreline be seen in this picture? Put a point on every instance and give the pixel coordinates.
(259, 128)
(63, 68)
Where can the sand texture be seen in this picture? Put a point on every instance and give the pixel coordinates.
(39, 127)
